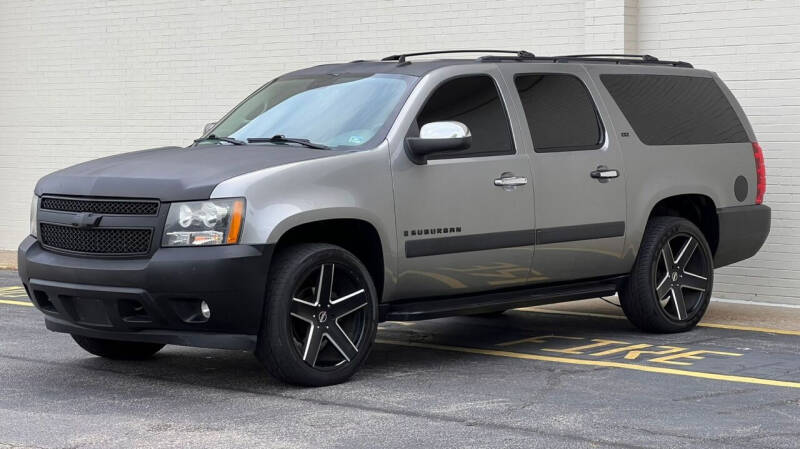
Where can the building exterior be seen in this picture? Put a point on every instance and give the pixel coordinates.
(85, 79)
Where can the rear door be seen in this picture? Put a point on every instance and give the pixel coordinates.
(458, 231)
(578, 180)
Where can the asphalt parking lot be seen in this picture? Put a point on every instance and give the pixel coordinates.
(568, 375)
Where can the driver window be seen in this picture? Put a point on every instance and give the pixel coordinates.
(474, 101)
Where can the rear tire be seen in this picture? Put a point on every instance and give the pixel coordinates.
(321, 316)
(117, 350)
(669, 288)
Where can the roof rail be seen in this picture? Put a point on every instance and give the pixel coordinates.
(401, 58)
(647, 58)
(621, 58)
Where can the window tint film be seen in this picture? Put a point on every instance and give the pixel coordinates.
(475, 102)
(675, 110)
(560, 112)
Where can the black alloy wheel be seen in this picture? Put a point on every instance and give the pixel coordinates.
(328, 317)
(670, 285)
(321, 315)
(682, 273)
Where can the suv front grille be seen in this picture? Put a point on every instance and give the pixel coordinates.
(97, 240)
(111, 207)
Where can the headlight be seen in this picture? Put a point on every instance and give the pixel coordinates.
(34, 209)
(199, 223)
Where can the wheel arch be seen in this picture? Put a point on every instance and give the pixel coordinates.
(698, 208)
(353, 232)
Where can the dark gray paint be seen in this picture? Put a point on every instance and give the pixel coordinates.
(170, 173)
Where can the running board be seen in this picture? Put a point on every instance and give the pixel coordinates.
(485, 302)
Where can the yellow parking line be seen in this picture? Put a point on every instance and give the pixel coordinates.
(620, 317)
(602, 363)
(16, 303)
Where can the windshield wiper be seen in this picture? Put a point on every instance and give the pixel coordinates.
(280, 138)
(220, 138)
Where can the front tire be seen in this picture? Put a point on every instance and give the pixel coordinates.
(321, 316)
(669, 288)
(117, 350)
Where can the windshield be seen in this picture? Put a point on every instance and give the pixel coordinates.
(333, 110)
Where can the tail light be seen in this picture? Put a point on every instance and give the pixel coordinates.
(761, 173)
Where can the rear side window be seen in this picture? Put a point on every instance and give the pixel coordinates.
(474, 101)
(675, 110)
(560, 112)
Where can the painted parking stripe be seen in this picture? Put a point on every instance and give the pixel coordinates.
(567, 360)
(600, 363)
(13, 292)
(620, 317)
(16, 303)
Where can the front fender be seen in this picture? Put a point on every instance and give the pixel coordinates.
(355, 185)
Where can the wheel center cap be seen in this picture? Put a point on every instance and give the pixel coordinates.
(674, 276)
(323, 316)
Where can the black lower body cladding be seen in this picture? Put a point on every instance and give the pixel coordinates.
(742, 232)
(155, 299)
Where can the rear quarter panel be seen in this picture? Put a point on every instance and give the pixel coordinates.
(657, 172)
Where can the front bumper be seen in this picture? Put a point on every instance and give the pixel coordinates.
(742, 232)
(154, 299)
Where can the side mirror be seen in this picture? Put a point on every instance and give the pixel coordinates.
(209, 126)
(438, 137)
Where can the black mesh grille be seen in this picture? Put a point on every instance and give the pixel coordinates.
(100, 206)
(96, 241)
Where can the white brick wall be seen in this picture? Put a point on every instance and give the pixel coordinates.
(83, 79)
(754, 45)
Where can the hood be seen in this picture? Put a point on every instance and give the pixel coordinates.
(170, 173)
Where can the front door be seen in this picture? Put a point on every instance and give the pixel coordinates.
(465, 220)
(578, 180)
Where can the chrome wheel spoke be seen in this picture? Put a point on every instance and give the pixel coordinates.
(669, 260)
(679, 302)
(342, 342)
(348, 304)
(312, 345)
(686, 252)
(302, 310)
(663, 288)
(325, 284)
(694, 281)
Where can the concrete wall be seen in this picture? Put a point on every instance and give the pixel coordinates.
(84, 79)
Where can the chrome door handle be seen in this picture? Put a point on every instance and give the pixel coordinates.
(508, 180)
(604, 173)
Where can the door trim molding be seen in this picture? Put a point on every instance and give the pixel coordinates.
(510, 239)
(468, 243)
(580, 232)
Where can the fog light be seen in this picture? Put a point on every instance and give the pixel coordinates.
(205, 310)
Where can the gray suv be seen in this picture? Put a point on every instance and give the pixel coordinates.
(343, 195)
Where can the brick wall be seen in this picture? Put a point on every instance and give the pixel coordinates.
(84, 79)
(754, 46)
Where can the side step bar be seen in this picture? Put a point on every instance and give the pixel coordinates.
(474, 303)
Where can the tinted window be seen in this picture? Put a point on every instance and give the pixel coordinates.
(675, 110)
(475, 102)
(560, 113)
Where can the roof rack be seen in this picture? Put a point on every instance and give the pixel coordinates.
(401, 58)
(619, 58)
(522, 55)
(648, 58)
